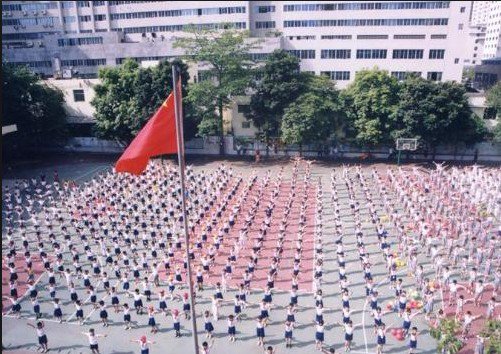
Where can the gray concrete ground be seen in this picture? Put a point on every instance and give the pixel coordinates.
(67, 337)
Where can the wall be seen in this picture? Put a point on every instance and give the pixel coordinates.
(487, 152)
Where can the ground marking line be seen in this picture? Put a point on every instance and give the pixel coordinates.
(83, 303)
(26, 292)
(92, 311)
(38, 319)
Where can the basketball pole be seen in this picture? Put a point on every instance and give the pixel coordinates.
(178, 108)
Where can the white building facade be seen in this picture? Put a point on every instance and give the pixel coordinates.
(334, 38)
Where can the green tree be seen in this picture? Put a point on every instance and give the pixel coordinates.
(494, 101)
(229, 73)
(34, 106)
(279, 84)
(129, 95)
(436, 113)
(492, 332)
(314, 116)
(372, 101)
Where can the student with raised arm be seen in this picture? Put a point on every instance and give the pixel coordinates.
(92, 336)
(348, 333)
(143, 343)
(206, 347)
(42, 337)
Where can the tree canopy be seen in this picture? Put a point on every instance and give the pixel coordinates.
(129, 95)
(35, 107)
(434, 113)
(314, 116)
(228, 71)
(371, 103)
(279, 84)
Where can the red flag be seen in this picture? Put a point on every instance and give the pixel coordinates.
(157, 137)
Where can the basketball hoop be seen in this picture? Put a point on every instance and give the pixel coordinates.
(406, 144)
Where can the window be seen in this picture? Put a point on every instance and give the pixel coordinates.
(437, 53)
(368, 22)
(243, 108)
(402, 75)
(463, 9)
(434, 75)
(85, 18)
(83, 3)
(490, 113)
(367, 6)
(456, 61)
(337, 75)
(69, 19)
(100, 17)
(438, 36)
(371, 53)
(83, 62)
(335, 54)
(78, 96)
(372, 36)
(68, 42)
(246, 125)
(265, 24)
(303, 53)
(334, 36)
(409, 36)
(98, 3)
(264, 9)
(408, 54)
(460, 26)
(299, 38)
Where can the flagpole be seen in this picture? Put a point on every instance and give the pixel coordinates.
(178, 109)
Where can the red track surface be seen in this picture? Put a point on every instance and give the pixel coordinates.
(22, 285)
(479, 323)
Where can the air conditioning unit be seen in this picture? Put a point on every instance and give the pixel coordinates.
(35, 13)
(44, 12)
(16, 27)
(23, 26)
(8, 13)
(40, 44)
(51, 25)
(4, 13)
(29, 44)
(25, 13)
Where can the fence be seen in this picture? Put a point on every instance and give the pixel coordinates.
(486, 151)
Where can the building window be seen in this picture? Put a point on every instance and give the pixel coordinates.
(246, 125)
(264, 9)
(402, 75)
(69, 19)
(335, 54)
(83, 3)
(434, 76)
(85, 18)
(463, 9)
(98, 3)
(83, 62)
(460, 26)
(336, 36)
(409, 36)
(437, 54)
(243, 108)
(78, 96)
(372, 36)
(438, 36)
(371, 53)
(408, 54)
(265, 24)
(69, 42)
(337, 75)
(456, 61)
(101, 17)
(303, 53)
(368, 22)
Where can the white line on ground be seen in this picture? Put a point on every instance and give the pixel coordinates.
(39, 319)
(91, 172)
(83, 303)
(26, 293)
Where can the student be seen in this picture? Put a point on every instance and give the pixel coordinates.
(151, 319)
(260, 331)
(231, 328)
(92, 336)
(127, 318)
(381, 337)
(206, 347)
(413, 340)
(289, 327)
(209, 328)
(143, 343)
(42, 337)
(58, 313)
(79, 312)
(175, 322)
(103, 314)
(319, 335)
